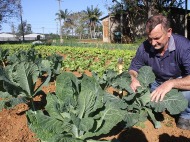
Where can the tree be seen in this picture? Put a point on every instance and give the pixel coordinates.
(89, 18)
(139, 10)
(20, 10)
(13, 30)
(95, 18)
(72, 20)
(24, 27)
(92, 15)
(99, 29)
(9, 9)
(66, 28)
(62, 15)
(81, 25)
(28, 29)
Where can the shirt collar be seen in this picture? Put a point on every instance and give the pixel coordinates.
(171, 45)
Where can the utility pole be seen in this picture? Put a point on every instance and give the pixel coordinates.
(61, 40)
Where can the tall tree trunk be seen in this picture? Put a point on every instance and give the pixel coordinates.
(94, 29)
(22, 27)
(90, 30)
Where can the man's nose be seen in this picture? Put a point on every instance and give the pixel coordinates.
(153, 42)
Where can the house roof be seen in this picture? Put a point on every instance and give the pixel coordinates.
(104, 17)
(6, 35)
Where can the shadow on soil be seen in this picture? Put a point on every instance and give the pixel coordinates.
(123, 135)
(166, 138)
(136, 135)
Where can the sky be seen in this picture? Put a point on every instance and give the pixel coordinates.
(41, 13)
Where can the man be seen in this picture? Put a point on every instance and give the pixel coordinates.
(169, 56)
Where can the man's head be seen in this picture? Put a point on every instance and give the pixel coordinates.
(158, 31)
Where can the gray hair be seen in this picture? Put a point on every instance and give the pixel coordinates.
(153, 21)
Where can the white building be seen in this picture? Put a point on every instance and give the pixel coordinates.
(32, 37)
(11, 37)
(7, 37)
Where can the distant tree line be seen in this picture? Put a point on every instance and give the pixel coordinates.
(86, 24)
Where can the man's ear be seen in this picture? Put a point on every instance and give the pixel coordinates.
(169, 32)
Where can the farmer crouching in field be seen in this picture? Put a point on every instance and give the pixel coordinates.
(169, 56)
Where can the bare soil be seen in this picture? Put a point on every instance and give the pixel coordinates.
(13, 125)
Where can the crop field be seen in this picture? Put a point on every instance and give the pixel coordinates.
(75, 93)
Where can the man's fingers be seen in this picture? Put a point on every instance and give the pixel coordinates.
(153, 95)
(156, 95)
(162, 97)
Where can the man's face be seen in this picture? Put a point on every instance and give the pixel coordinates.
(158, 38)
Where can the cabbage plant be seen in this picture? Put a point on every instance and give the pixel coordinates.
(3, 56)
(76, 113)
(138, 103)
(19, 81)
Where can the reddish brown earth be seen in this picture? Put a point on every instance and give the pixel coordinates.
(13, 126)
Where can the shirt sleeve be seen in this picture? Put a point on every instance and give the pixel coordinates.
(139, 60)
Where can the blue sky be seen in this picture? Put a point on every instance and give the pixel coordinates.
(41, 13)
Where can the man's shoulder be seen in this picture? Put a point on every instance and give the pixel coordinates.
(180, 39)
(182, 44)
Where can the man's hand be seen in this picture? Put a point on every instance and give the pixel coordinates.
(134, 80)
(134, 84)
(161, 91)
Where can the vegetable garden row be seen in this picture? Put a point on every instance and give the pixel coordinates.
(81, 107)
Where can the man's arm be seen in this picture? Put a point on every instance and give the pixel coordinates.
(162, 90)
(135, 82)
(181, 83)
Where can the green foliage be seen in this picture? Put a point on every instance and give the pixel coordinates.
(78, 111)
(138, 103)
(56, 63)
(29, 55)
(3, 55)
(105, 46)
(19, 81)
(77, 59)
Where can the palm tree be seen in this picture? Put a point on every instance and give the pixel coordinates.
(62, 15)
(95, 18)
(88, 18)
(92, 15)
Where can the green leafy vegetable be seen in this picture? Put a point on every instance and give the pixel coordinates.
(19, 81)
(77, 112)
(138, 103)
(3, 55)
